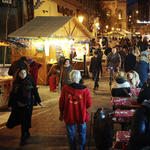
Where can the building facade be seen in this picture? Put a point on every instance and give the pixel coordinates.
(117, 9)
(139, 17)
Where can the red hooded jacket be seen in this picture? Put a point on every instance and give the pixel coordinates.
(34, 67)
(74, 104)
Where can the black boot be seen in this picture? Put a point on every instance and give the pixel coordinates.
(27, 135)
(22, 143)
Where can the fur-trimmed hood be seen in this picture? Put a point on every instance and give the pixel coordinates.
(120, 85)
(143, 58)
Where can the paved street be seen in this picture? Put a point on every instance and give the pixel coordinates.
(47, 132)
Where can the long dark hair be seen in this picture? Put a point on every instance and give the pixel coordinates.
(17, 79)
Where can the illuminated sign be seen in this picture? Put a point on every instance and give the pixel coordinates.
(144, 22)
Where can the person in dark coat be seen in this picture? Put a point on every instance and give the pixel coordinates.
(100, 55)
(34, 67)
(17, 64)
(108, 50)
(64, 73)
(130, 61)
(143, 67)
(120, 88)
(21, 103)
(140, 127)
(114, 60)
(123, 55)
(60, 59)
(95, 67)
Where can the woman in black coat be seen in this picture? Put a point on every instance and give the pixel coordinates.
(21, 102)
(140, 128)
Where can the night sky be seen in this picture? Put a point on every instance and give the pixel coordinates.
(131, 1)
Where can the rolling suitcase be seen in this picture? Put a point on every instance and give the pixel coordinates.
(103, 128)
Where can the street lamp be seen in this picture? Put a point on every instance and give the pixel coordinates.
(80, 19)
(113, 28)
(107, 29)
(96, 24)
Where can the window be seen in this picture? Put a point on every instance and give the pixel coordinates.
(120, 16)
(108, 14)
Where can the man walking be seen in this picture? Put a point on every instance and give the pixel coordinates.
(114, 60)
(130, 61)
(74, 101)
(95, 66)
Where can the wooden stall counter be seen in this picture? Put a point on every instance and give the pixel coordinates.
(5, 88)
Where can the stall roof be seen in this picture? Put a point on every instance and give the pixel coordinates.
(46, 26)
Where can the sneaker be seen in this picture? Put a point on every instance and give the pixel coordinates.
(27, 136)
(22, 143)
(94, 90)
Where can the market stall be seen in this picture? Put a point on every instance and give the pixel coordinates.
(5, 86)
(46, 37)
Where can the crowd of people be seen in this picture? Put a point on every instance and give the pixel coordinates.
(129, 56)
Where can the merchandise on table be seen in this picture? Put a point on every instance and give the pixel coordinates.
(123, 115)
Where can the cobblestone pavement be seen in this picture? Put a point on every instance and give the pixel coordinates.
(47, 132)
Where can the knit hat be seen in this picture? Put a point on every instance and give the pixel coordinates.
(23, 58)
(121, 78)
(29, 61)
(145, 52)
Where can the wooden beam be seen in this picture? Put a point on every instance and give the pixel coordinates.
(66, 30)
(73, 30)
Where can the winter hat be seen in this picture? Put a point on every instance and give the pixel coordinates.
(29, 61)
(23, 58)
(121, 78)
(145, 52)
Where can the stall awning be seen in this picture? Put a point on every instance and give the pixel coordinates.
(46, 26)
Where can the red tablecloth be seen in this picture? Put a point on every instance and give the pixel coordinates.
(123, 115)
(135, 91)
(122, 137)
(123, 101)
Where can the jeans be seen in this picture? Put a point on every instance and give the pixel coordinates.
(96, 78)
(81, 129)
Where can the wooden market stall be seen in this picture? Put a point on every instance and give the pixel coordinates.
(46, 37)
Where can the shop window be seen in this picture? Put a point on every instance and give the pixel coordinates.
(120, 16)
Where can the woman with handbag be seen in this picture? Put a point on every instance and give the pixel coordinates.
(21, 103)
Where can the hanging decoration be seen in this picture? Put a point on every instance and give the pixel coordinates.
(14, 44)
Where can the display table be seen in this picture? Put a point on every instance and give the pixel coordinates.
(135, 91)
(124, 101)
(122, 138)
(5, 88)
(123, 115)
(121, 102)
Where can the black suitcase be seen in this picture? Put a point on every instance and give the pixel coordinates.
(103, 128)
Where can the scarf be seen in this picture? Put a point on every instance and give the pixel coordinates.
(26, 89)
